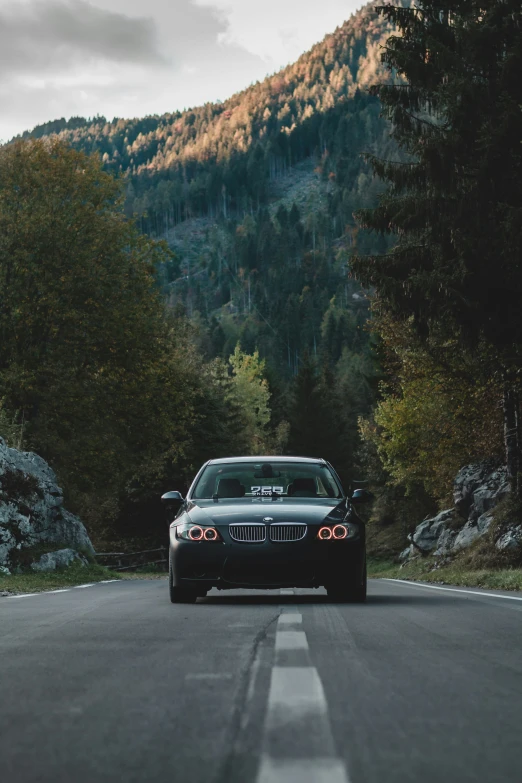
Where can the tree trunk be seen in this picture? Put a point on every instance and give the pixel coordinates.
(512, 433)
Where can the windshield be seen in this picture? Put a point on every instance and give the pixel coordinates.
(267, 479)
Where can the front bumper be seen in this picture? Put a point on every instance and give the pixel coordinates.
(266, 565)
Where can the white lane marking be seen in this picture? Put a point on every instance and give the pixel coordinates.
(64, 590)
(291, 640)
(315, 770)
(454, 589)
(208, 676)
(290, 618)
(295, 692)
(287, 592)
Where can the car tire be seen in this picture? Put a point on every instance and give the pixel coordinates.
(179, 595)
(349, 592)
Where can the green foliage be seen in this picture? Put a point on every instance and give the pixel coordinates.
(433, 428)
(455, 205)
(324, 406)
(88, 356)
(426, 570)
(249, 392)
(11, 428)
(433, 416)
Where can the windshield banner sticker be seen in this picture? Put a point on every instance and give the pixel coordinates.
(267, 490)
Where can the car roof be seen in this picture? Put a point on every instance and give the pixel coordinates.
(224, 460)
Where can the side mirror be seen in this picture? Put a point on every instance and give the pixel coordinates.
(172, 502)
(172, 498)
(361, 496)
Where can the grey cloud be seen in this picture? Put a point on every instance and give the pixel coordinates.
(107, 59)
(47, 34)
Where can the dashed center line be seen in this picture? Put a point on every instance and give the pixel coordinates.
(291, 640)
(295, 692)
(318, 770)
(290, 618)
(298, 745)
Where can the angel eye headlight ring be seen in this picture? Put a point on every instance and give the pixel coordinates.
(325, 533)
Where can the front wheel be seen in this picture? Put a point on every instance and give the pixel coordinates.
(349, 591)
(180, 595)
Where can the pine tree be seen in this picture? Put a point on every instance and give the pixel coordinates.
(454, 202)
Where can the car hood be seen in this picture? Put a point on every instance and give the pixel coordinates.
(237, 510)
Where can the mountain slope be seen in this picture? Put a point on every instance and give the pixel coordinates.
(256, 197)
(222, 157)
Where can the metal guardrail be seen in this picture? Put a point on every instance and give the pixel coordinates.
(123, 561)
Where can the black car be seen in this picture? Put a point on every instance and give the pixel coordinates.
(266, 522)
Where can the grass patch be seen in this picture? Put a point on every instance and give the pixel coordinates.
(74, 575)
(424, 570)
(151, 570)
(54, 580)
(143, 575)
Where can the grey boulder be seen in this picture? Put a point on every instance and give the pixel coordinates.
(31, 509)
(478, 489)
(467, 480)
(472, 530)
(59, 559)
(512, 539)
(426, 535)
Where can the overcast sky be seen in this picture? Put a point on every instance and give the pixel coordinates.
(128, 58)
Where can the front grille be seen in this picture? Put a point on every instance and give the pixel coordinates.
(250, 533)
(283, 531)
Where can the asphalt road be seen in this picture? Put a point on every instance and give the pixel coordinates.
(113, 683)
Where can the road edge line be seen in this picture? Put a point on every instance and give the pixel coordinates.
(450, 589)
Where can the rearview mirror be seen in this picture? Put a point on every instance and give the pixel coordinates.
(361, 496)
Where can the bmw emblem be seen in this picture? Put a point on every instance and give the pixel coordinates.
(268, 519)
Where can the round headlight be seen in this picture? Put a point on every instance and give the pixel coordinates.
(195, 533)
(325, 533)
(210, 534)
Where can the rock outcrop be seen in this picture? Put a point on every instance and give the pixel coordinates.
(33, 518)
(477, 490)
(59, 559)
(512, 539)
